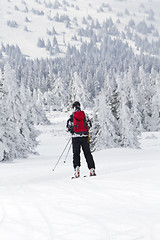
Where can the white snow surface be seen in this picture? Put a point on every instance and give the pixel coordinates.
(39, 24)
(121, 203)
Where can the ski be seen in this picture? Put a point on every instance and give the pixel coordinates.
(89, 175)
(83, 176)
(74, 177)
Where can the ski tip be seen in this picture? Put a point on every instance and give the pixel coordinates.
(75, 177)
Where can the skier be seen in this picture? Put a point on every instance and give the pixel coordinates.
(78, 124)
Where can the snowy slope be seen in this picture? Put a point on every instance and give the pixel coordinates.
(121, 203)
(41, 15)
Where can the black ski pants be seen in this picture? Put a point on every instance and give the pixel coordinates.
(77, 143)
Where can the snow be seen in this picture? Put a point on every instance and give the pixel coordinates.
(38, 24)
(120, 203)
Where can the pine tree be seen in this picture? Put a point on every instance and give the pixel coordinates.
(19, 135)
(155, 106)
(144, 96)
(104, 131)
(76, 90)
(128, 127)
(3, 146)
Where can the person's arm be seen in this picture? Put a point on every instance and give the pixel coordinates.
(69, 124)
(89, 123)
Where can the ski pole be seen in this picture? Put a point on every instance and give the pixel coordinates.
(67, 153)
(61, 155)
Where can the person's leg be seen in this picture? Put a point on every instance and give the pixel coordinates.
(87, 152)
(76, 152)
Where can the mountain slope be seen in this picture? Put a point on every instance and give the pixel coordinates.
(26, 22)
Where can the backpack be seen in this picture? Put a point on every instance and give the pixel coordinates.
(79, 122)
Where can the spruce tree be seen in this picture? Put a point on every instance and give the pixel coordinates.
(18, 136)
(128, 127)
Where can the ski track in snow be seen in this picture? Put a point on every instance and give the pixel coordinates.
(120, 203)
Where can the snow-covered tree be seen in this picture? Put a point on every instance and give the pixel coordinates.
(48, 45)
(18, 135)
(40, 43)
(76, 90)
(3, 122)
(128, 118)
(154, 102)
(104, 131)
(144, 95)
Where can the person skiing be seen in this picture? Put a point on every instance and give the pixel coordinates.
(78, 125)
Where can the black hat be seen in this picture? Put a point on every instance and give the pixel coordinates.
(76, 105)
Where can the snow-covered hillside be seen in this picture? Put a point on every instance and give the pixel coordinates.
(58, 23)
(121, 203)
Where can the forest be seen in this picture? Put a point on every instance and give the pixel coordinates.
(120, 86)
